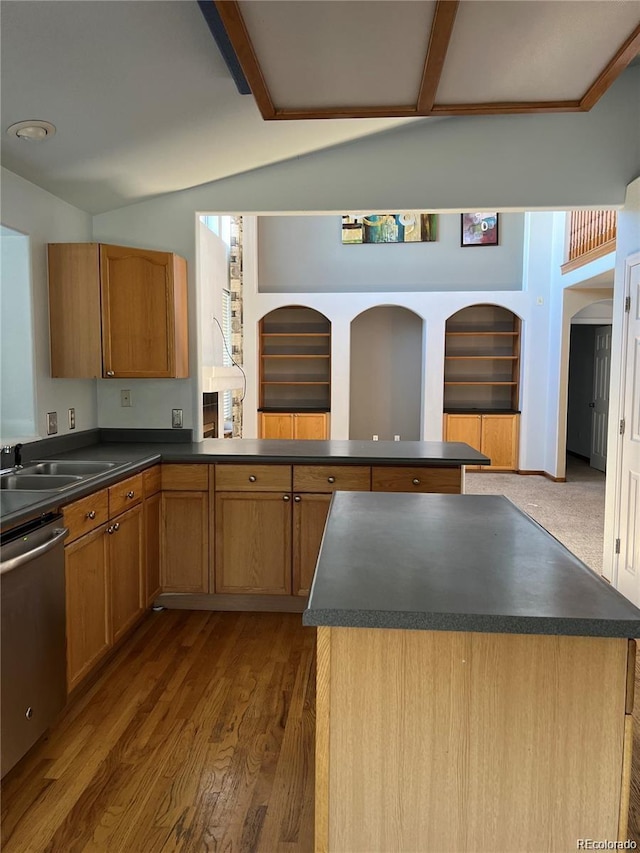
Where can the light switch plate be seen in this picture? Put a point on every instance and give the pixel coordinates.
(52, 423)
(176, 418)
(72, 418)
(125, 397)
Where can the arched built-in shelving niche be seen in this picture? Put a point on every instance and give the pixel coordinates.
(295, 373)
(386, 374)
(482, 360)
(482, 382)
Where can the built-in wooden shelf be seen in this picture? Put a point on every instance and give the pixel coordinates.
(295, 360)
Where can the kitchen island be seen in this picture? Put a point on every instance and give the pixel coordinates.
(475, 682)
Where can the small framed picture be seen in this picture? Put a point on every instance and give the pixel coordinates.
(479, 229)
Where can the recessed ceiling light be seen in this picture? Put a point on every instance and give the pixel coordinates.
(32, 131)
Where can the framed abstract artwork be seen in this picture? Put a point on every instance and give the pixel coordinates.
(405, 227)
(479, 229)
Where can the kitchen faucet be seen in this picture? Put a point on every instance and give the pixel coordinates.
(17, 456)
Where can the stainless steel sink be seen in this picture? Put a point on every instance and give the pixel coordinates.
(68, 466)
(38, 482)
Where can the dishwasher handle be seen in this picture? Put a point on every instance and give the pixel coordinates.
(59, 533)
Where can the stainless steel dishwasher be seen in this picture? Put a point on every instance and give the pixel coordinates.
(33, 656)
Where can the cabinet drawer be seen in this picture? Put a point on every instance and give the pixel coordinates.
(253, 478)
(124, 495)
(84, 515)
(443, 480)
(331, 478)
(151, 481)
(185, 478)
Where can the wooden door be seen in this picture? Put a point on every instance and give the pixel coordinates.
(138, 313)
(184, 542)
(126, 570)
(465, 428)
(253, 543)
(276, 425)
(310, 426)
(87, 600)
(500, 441)
(309, 518)
(151, 509)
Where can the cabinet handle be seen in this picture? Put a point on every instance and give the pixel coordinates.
(91, 514)
(331, 479)
(110, 530)
(110, 373)
(116, 526)
(131, 494)
(297, 499)
(286, 497)
(416, 481)
(252, 478)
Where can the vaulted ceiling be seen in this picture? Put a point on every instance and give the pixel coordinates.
(145, 104)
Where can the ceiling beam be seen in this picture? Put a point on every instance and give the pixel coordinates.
(623, 57)
(216, 27)
(441, 29)
(229, 11)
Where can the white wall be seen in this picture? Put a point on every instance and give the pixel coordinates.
(17, 382)
(305, 253)
(47, 219)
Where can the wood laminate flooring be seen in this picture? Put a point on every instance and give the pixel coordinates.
(198, 736)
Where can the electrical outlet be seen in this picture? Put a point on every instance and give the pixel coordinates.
(72, 418)
(375, 437)
(52, 423)
(176, 418)
(396, 438)
(125, 397)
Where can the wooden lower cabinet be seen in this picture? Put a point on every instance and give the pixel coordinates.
(126, 570)
(88, 616)
(184, 542)
(295, 425)
(494, 435)
(152, 512)
(309, 518)
(253, 543)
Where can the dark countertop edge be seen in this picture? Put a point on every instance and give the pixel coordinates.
(312, 410)
(482, 411)
(480, 623)
(183, 452)
(52, 500)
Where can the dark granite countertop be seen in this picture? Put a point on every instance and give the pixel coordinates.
(456, 563)
(17, 506)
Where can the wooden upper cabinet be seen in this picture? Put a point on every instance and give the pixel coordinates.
(117, 312)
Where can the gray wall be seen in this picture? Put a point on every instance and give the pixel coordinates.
(580, 392)
(386, 374)
(306, 254)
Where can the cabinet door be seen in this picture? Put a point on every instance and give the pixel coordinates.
(276, 425)
(184, 542)
(309, 518)
(74, 310)
(465, 428)
(87, 599)
(253, 543)
(151, 510)
(500, 441)
(310, 426)
(142, 307)
(126, 570)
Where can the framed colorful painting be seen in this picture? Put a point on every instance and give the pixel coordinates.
(479, 229)
(406, 227)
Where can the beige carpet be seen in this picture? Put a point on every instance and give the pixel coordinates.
(573, 511)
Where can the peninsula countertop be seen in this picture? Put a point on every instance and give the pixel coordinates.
(456, 563)
(132, 456)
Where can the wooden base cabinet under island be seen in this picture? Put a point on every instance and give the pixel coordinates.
(470, 699)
